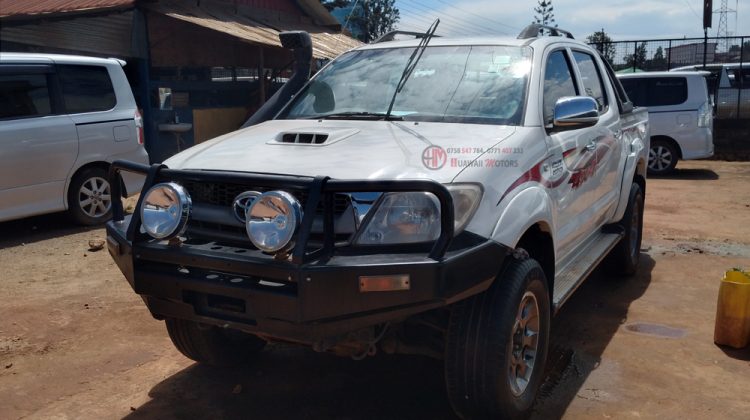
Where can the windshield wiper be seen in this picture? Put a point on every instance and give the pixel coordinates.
(411, 64)
(359, 115)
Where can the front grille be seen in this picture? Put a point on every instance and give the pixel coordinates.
(224, 195)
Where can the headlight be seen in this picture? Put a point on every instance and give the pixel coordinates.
(272, 221)
(165, 210)
(403, 218)
(413, 217)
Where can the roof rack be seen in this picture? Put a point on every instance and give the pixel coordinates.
(390, 36)
(535, 30)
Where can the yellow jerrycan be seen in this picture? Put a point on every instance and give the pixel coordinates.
(733, 310)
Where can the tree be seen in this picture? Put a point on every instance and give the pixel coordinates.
(602, 42)
(367, 19)
(658, 62)
(545, 13)
(639, 57)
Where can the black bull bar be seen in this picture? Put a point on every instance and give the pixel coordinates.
(319, 189)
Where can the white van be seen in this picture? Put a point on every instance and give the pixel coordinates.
(729, 83)
(63, 120)
(680, 115)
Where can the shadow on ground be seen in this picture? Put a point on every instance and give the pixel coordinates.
(38, 228)
(291, 382)
(694, 174)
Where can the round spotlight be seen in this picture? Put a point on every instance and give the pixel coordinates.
(272, 221)
(165, 210)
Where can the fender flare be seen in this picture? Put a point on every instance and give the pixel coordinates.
(526, 209)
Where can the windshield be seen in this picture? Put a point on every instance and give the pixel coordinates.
(464, 84)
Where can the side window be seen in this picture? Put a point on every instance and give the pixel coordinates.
(591, 78)
(636, 89)
(558, 82)
(24, 95)
(86, 88)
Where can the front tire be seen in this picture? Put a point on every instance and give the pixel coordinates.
(497, 345)
(212, 345)
(89, 197)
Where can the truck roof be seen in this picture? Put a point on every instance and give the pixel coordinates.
(489, 40)
(57, 58)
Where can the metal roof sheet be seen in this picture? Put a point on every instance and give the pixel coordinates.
(326, 44)
(26, 7)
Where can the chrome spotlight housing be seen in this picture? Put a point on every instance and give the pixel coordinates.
(165, 210)
(272, 221)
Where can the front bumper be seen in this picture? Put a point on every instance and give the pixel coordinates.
(304, 299)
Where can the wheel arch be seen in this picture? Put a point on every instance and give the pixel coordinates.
(669, 140)
(538, 243)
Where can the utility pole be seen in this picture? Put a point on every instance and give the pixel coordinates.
(722, 31)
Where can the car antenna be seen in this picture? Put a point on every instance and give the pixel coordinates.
(411, 64)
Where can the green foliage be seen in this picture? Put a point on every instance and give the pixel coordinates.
(603, 43)
(545, 13)
(638, 58)
(373, 18)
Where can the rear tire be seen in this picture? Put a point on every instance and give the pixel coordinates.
(624, 258)
(497, 343)
(662, 157)
(212, 345)
(89, 197)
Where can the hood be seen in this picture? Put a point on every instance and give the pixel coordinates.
(346, 149)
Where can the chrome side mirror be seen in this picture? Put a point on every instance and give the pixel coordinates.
(573, 112)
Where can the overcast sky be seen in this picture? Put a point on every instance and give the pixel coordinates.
(621, 19)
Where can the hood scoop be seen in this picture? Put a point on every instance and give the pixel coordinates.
(313, 137)
(304, 138)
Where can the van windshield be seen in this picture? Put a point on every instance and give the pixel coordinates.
(462, 84)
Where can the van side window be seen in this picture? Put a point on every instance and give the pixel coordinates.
(24, 95)
(86, 88)
(591, 78)
(558, 82)
(656, 91)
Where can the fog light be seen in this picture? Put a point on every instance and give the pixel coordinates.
(165, 210)
(272, 221)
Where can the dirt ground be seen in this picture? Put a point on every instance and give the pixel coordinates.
(77, 343)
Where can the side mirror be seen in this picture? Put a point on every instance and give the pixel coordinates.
(573, 112)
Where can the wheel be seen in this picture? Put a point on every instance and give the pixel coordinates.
(496, 345)
(624, 257)
(662, 157)
(89, 199)
(212, 345)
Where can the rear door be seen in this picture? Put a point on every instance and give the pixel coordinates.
(605, 139)
(38, 144)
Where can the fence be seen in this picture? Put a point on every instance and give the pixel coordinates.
(730, 84)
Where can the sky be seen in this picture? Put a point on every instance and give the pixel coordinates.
(620, 19)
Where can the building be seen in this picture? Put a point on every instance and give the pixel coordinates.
(691, 53)
(208, 64)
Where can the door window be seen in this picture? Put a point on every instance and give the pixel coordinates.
(86, 88)
(558, 82)
(591, 79)
(24, 95)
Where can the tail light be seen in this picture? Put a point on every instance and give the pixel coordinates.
(705, 115)
(139, 126)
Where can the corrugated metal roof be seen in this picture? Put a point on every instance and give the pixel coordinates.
(107, 35)
(223, 19)
(26, 7)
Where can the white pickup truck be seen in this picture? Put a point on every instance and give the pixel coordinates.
(436, 196)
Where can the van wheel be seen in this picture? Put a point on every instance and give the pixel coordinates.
(89, 197)
(662, 157)
(624, 258)
(497, 343)
(211, 345)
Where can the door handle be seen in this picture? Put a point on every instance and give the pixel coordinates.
(591, 146)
